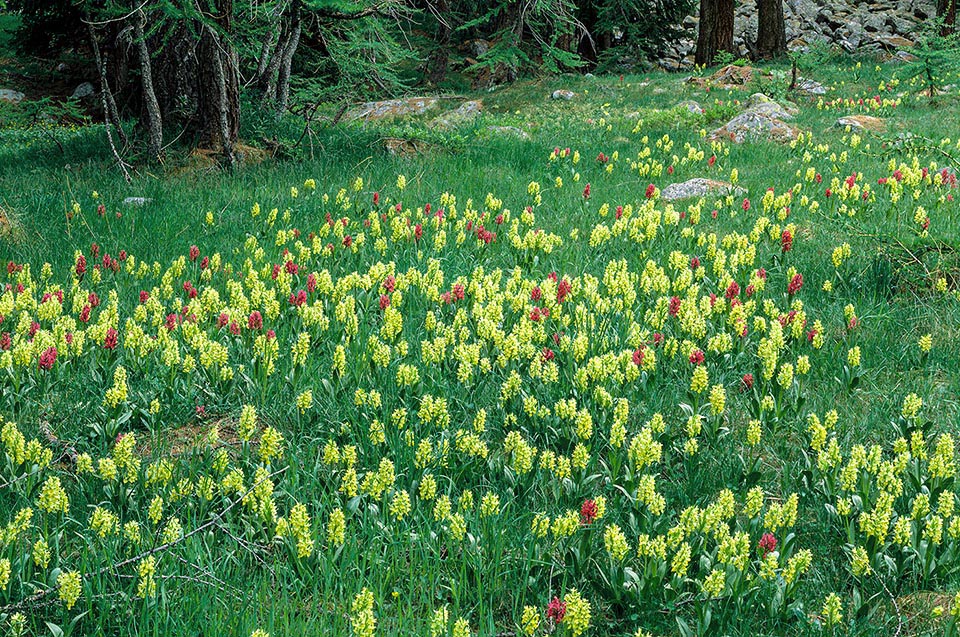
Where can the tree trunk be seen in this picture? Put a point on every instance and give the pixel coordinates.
(270, 42)
(110, 114)
(771, 30)
(153, 120)
(219, 84)
(275, 61)
(286, 62)
(724, 37)
(716, 30)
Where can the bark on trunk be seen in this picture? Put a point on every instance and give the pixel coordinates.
(270, 42)
(771, 30)
(716, 30)
(153, 121)
(283, 79)
(274, 78)
(111, 116)
(219, 85)
(947, 11)
(724, 37)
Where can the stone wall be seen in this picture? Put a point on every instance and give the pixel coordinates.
(855, 25)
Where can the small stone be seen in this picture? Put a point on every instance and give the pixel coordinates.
(405, 147)
(863, 122)
(137, 201)
(698, 187)
(811, 87)
(10, 95)
(563, 94)
(691, 106)
(890, 42)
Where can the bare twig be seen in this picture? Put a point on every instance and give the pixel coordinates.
(250, 548)
(14, 481)
(896, 607)
(340, 113)
(91, 23)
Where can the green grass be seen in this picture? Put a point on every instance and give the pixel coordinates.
(417, 565)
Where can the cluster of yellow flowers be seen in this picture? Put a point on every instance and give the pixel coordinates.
(117, 529)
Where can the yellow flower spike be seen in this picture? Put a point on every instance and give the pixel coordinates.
(439, 622)
(53, 498)
(336, 528)
(69, 587)
(530, 621)
(461, 628)
(832, 611)
(271, 444)
(305, 401)
(577, 617)
(615, 543)
(362, 618)
(400, 505)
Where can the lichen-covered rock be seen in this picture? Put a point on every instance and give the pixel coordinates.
(729, 77)
(466, 112)
(754, 126)
(391, 108)
(84, 90)
(811, 87)
(563, 94)
(511, 131)
(10, 95)
(763, 105)
(893, 42)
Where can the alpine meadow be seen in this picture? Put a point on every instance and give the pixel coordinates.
(573, 318)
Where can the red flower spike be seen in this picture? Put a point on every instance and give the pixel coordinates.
(768, 544)
(588, 512)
